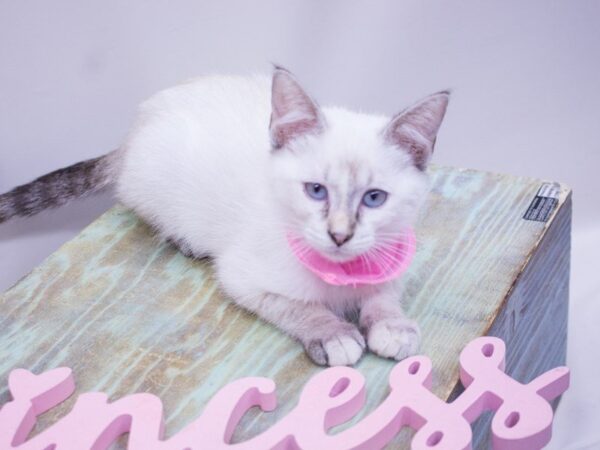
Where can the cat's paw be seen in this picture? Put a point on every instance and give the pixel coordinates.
(394, 338)
(341, 347)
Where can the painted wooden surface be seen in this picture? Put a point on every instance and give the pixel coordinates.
(131, 314)
(533, 319)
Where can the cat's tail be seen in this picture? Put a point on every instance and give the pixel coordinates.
(57, 188)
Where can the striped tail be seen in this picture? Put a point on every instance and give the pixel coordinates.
(56, 188)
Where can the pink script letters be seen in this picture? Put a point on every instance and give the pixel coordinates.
(523, 418)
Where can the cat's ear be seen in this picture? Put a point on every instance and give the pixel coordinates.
(293, 112)
(415, 129)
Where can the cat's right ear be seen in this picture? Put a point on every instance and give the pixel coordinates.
(293, 112)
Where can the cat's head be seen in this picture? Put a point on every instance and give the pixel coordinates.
(348, 183)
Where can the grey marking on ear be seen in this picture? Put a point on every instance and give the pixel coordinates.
(415, 129)
(293, 112)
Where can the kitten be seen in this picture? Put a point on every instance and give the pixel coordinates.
(226, 166)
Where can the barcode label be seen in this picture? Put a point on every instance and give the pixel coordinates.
(544, 203)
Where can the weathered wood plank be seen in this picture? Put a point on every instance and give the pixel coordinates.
(130, 314)
(533, 319)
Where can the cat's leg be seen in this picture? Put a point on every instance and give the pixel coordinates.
(388, 331)
(327, 339)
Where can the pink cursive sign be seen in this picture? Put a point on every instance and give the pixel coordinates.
(523, 418)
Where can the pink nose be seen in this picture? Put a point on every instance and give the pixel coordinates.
(340, 238)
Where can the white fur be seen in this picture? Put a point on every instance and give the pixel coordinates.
(394, 338)
(199, 167)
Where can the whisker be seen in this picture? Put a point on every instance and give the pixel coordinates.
(384, 261)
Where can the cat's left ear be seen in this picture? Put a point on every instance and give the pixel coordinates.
(293, 112)
(415, 129)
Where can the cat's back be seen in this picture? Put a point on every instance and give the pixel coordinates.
(215, 98)
(196, 148)
(224, 110)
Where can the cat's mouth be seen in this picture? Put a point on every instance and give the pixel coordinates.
(340, 255)
(378, 265)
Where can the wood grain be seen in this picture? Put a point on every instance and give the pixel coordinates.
(131, 314)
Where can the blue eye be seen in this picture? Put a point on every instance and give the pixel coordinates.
(315, 191)
(374, 198)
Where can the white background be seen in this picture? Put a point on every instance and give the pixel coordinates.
(525, 77)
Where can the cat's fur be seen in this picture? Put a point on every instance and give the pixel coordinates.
(217, 165)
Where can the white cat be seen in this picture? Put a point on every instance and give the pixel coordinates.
(227, 167)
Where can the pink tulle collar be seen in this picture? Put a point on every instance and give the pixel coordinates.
(377, 267)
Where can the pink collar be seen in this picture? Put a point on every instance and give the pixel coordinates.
(379, 266)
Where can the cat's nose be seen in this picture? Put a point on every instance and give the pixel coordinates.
(340, 238)
(340, 227)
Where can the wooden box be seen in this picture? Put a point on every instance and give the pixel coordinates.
(130, 314)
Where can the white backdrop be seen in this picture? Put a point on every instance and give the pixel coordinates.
(526, 91)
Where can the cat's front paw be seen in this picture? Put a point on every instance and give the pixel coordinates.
(340, 347)
(394, 338)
